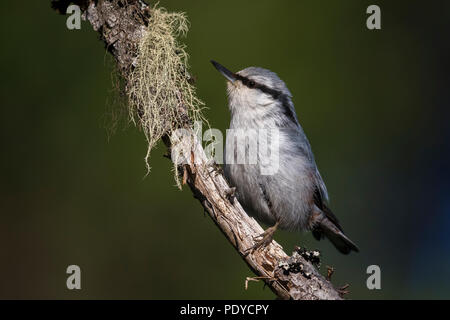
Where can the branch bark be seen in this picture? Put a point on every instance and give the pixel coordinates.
(121, 24)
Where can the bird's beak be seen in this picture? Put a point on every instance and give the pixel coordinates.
(224, 71)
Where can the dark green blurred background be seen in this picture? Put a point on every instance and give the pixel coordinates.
(374, 105)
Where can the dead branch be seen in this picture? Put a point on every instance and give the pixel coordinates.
(121, 25)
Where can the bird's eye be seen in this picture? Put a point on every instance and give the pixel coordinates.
(251, 84)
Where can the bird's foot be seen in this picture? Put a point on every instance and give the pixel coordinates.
(230, 194)
(263, 239)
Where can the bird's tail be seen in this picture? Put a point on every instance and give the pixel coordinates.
(327, 225)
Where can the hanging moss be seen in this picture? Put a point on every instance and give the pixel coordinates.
(160, 89)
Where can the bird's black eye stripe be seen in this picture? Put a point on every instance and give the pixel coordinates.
(254, 85)
(276, 95)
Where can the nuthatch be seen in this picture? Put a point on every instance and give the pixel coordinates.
(294, 197)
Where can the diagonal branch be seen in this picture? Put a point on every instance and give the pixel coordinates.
(121, 25)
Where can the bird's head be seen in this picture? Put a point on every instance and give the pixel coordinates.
(258, 92)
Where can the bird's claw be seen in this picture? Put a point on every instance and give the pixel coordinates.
(230, 194)
(263, 240)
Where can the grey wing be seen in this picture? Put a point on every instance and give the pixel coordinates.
(304, 148)
(321, 201)
(321, 186)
